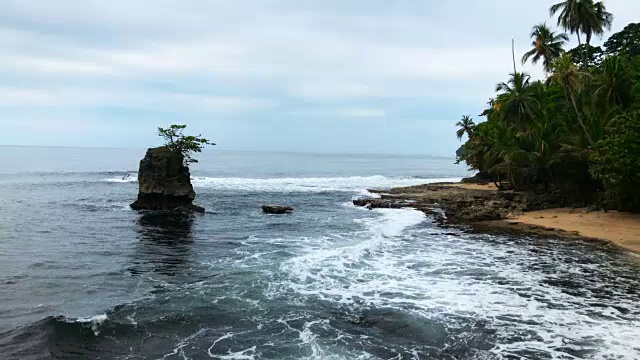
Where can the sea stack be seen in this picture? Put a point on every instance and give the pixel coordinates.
(165, 182)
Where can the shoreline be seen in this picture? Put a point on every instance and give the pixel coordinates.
(482, 208)
(612, 227)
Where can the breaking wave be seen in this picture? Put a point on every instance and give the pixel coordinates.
(492, 292)
(393, 287)
(126, 178)
(310, 184)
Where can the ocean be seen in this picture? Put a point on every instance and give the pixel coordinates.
(84, 277)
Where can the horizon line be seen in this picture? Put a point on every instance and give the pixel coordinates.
(234, 150)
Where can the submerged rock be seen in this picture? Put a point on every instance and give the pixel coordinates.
(276, 209)
(164, 182)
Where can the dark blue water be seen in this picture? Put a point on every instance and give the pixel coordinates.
(82, 276)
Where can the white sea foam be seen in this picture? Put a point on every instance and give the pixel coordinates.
(312, 184)
(95, 322)
(179, 348)
(393, 221)
(246, 354)
(307, 337)
(457, 278)
(353, 183)
(365, 193)
(325, 267)
(93, 319)
(126, 178)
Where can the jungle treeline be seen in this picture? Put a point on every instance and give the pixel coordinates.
(577, 131)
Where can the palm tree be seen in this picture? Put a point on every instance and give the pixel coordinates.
(567, 74)
(466, 125)
(515, 103)
(583, 16)
(597, 20)
(614, 84)
(547, 45)
(571, 15)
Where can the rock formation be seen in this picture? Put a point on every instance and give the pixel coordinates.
(455, 205)
(164, 182)
(382, 203)
(276, 209)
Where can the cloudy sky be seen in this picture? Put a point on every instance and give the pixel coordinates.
(295, 75)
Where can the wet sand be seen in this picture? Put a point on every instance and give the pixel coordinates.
(622, 229)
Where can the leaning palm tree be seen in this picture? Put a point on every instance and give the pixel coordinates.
(567, 74)
(547, 46)
(466, 126)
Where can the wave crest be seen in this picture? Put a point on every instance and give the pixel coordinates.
(294, 184)
(126, 178)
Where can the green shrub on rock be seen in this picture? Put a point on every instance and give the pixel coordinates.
(186, 145)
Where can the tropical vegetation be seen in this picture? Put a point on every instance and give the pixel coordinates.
(547, 46)
(578, 129)
(186, 145)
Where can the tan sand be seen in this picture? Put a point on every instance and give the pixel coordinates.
(475, 186)
(622, 229)
(616, 228)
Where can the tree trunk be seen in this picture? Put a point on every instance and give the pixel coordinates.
(586, 53)
(513, 53)
(575, 107)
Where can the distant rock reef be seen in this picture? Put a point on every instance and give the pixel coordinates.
(165, 182)
(276, 209)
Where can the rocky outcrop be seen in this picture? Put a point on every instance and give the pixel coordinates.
(164, 182)
(482, 177)
(483, 209)
(276, 209)
(450, 204)
(453, 204)
(382, 203)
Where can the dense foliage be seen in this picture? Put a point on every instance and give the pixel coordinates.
(626, 41)
(617, 161)
(596, 55)
(187, 145)
(578, 129)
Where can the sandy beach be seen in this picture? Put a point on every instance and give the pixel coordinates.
(484, 208)
(490, 187)
(622, 229)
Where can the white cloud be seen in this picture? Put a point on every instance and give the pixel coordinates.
(16, 97)
(218, 103)
(83, 98)
(199, 57)
(55, 66)
(300, 55)
(324, 89)
(54, 126)
(361, 113)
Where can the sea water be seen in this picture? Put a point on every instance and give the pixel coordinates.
(84, 277)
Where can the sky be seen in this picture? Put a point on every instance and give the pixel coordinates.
(349, 76)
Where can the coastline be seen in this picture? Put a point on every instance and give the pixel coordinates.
(482, 208)
(613, 227)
